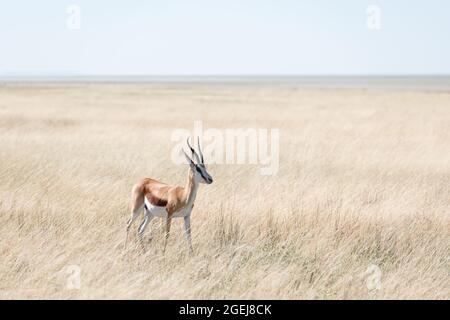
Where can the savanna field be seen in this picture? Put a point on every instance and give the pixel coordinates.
(359, 209)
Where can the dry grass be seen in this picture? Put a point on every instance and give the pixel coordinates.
(364, 179)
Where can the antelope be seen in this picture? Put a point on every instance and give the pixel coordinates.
(169, 201)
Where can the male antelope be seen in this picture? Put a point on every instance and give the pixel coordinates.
(167, 201)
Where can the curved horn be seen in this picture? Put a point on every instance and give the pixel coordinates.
(200, 150)
(189, 160)
(194, 154)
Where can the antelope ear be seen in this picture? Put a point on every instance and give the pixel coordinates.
(189, 160)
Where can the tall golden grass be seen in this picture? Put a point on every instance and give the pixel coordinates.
(363, 186)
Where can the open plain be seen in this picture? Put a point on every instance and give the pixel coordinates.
(359, 208)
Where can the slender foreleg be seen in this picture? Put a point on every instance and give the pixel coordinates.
(187, 232)
(168, 222)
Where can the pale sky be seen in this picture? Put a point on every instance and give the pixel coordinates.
(228, 37)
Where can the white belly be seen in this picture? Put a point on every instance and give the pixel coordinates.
(162, 212)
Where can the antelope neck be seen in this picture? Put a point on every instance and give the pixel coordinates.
(191, 188)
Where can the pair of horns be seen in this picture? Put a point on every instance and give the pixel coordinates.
(198, 158)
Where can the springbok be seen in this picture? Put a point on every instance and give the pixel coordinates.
(168, 201)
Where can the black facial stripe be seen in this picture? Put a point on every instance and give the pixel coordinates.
(201, 173)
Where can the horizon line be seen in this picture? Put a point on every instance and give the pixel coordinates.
(403, 82)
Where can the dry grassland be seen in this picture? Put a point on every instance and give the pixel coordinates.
(363, 186)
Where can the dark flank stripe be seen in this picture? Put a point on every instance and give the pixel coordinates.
(156, 201)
